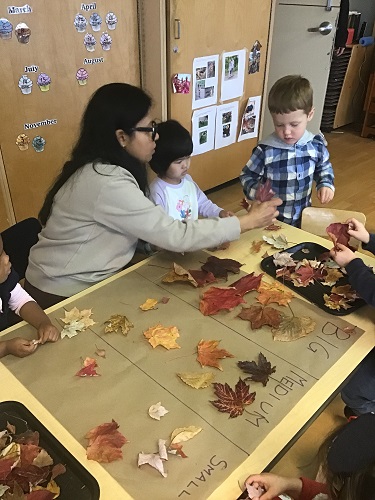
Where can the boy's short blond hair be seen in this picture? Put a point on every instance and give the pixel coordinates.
(290, 93)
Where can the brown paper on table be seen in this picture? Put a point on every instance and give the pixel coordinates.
(134, 376)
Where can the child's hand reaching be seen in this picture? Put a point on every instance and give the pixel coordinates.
(47, 332)
(342, 255)
(325, 194)
(358, 230)
(20, 347)
(273, 485)
(225, 213)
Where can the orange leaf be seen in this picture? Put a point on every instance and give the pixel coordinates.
(216, 299)
(274, 292)
(149, 304)
(163, 335)
(105, 443)
(259, 316)
(208, 355)
(255, 246)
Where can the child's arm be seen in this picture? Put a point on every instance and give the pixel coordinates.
(206, 207)
(26, 307)
(157, 194)
(323, 174)
(252, 173)
(17, 346)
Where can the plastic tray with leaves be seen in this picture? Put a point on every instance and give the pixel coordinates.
(315, 291)
(76, 482)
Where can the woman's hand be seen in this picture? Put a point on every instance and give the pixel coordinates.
(275, 485)
(260, 214)
(358, 230)
(342, 255)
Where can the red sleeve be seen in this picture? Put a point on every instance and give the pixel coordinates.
(310, 488)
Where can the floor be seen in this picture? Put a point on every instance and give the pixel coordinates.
(353, 159)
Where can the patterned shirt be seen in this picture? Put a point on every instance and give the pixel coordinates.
(292, 169)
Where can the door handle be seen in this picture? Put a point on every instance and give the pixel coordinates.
(177, 29)
(324, 29)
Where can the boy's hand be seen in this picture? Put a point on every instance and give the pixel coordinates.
(225, 213)
(325, 195)
(20, 347)
(47, 332)
(343, 256)
(358, 230)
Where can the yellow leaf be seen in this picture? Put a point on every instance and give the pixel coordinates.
(182, 434)
(51, 487)
(77, 315)
(161, 335)
(149, 304)
(293, 328)
(197, 380)
(178, 273)
(118, 322)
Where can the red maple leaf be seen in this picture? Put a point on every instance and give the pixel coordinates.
(233, 401)
(244, 203)
(264, 191)
(216, 299)
(105, 442)
(88, 369)
(247, 283)
(338, 233)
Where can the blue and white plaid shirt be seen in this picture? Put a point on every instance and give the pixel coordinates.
(292, 169)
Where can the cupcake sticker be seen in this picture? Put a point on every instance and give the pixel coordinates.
(106, 41)
(82, 76)
(111, 20)
(43, 82)
(25, 84)
(89, 42)
(38, 143)
(23, 142)
(6, 29)
(80, 22)
(23, 33)
(95, 21)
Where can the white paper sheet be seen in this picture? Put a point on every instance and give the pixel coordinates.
(232, 74)
(250, 119)
(226, 124)
(205, 81)
(203, 122)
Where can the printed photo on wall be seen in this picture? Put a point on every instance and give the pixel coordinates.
(226, 124)
(203, 130)
(181, 83)
(233, 74)
(205, 81)
(250, 119)
(254, 58)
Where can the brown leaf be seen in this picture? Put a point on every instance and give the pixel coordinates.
(259, 316)
(338, 233)
(332, 276)
(264, 191)
(256, 245)
(118, 322)
(178, 273)
(100, 352)
(216, 299)
(260, 371)
(293, 328)
(149, 304)
(202, 277)
(164, 300)
(274, 292)
(163, 335)
(220, 267)
(247, 283)
(208, 354)
(336, 302)
(233, 401)
(272, 227)
(105, 442)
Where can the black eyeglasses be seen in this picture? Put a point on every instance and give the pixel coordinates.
(153, 129)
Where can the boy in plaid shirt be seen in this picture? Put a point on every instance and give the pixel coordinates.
(291, 157)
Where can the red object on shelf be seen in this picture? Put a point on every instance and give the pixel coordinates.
(349, 40)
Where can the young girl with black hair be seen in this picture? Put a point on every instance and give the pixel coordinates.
(97, 209)
(174, 189)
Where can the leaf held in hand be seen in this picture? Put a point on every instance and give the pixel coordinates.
(163, 335)
(197, 380)
(338, 233)
(260, 372)
(118, 322)
(233, 401)
(264, 191)
(208, 354)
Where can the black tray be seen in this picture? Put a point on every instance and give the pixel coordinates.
(315, 291)
(76, 483)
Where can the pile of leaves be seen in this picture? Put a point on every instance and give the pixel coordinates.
(76, 321)
(27, 471)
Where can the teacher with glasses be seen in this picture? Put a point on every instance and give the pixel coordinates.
(97, 208)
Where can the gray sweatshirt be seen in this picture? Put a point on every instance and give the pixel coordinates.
(96, 220)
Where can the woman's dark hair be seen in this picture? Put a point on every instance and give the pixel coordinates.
(174, 142)
(116, 106)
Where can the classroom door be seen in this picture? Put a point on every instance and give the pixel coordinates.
(295, 50)
(49, 71)
(196, 29)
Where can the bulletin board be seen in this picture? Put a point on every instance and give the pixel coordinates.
(50, 106)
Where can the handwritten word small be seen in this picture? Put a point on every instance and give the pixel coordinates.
(204, 474)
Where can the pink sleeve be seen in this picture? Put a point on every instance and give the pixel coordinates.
(18, 298)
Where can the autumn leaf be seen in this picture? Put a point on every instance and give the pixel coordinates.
(197, 380)
(88, 369)
(274, 292)
(178, 273)
(155, 460)
(157, 411)
(202, 277)
(52, 488)
(244, 203)
(163, 335)
(233, 401)
(208, 354)
(247, 283)
(100, 352)
(264, 191)
(293, 328)
(118, 322)
(182, 434)
(164, 300)
(346, 291)
(216, 299)
(332, 276)
(176, 449)
(105, 443)
(42, 459)
(338, 233)
(220, 267)
(283, 259)
(76, 321)
(255, 246)
(259, 316)
(272, 227)
(336, 302)
(149, 304)
(279, 241)
(260, 372)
